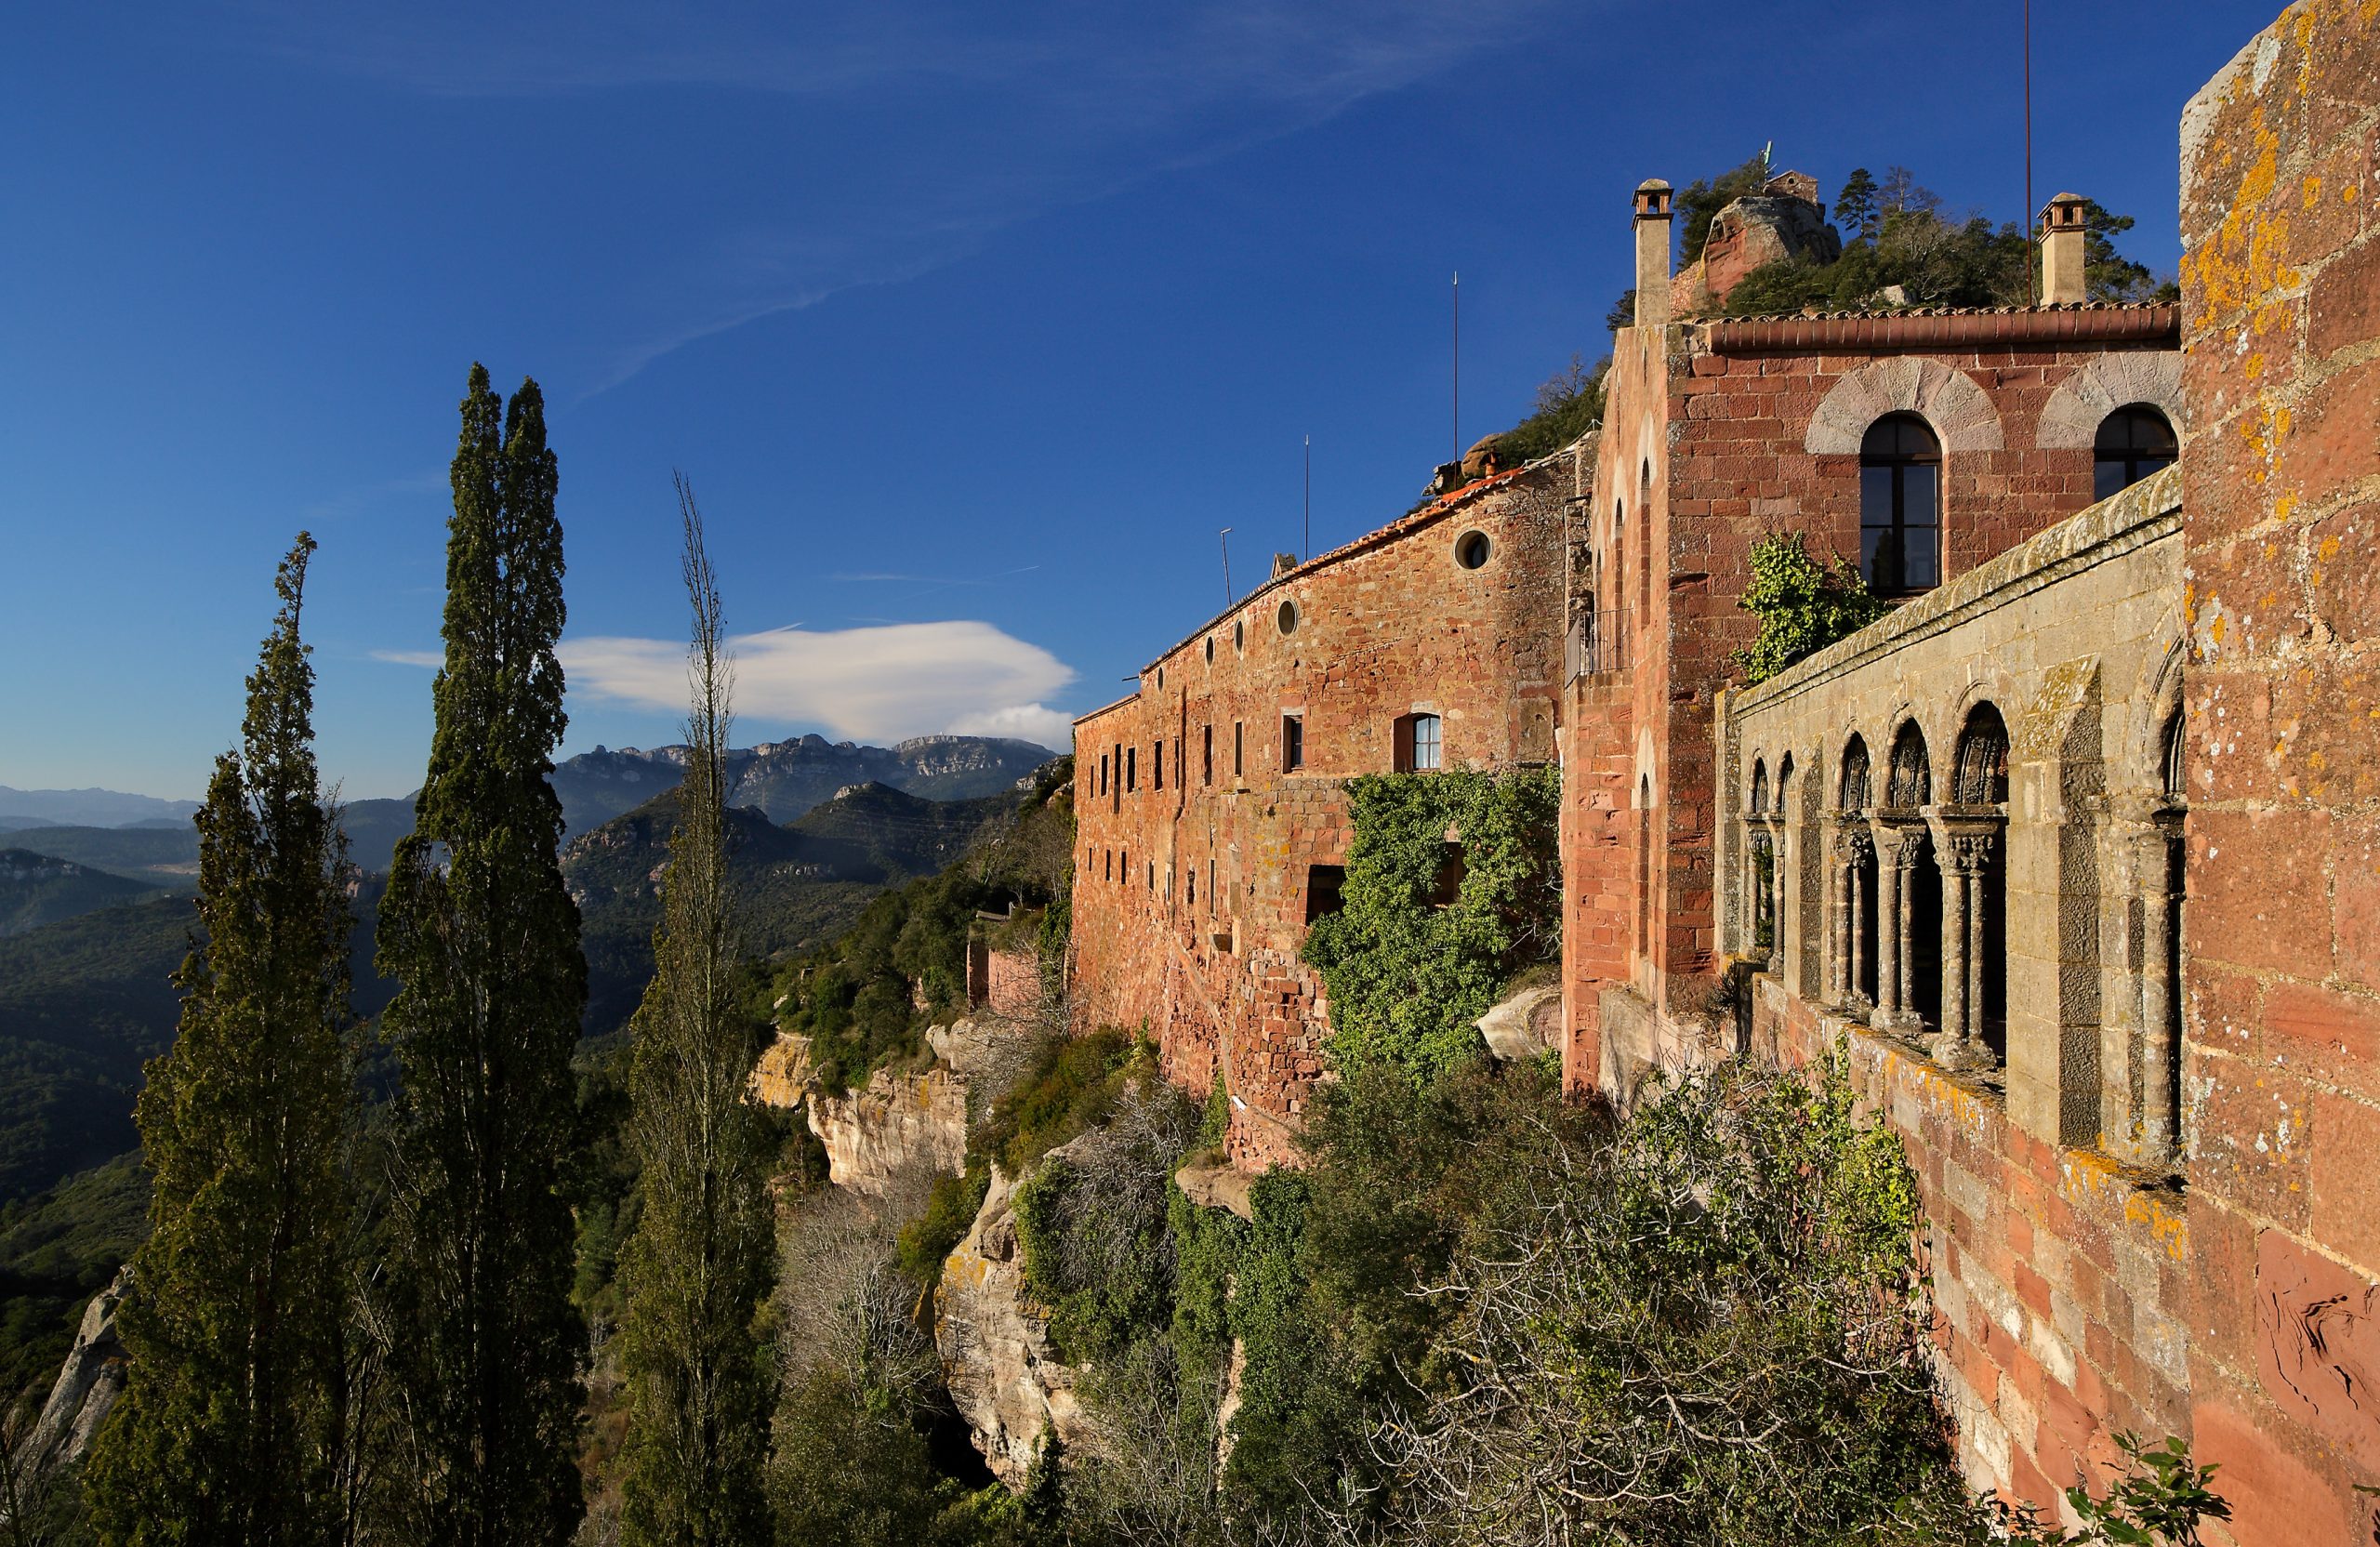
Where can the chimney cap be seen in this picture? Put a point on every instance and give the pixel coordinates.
(1653, 200)
(2064, 212)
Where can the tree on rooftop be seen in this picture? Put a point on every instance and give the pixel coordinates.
(698, 1266)
(483, 940)
(235, 1423)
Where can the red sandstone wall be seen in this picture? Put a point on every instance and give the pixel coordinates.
(1012, 982)
(2281, 525)
(1389, 625)
(2062, 1280)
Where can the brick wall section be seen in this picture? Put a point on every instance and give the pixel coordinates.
(1190, 896)
(2281, 524)
(1706, 448)
(1012, 982)
(2062, 1282)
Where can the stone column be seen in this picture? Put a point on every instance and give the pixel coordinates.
(1862, 846)
(2159, 1141)
(1890, 928)
(1965, 855)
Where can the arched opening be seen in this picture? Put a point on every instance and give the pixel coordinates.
(1761, 890)
(1853, 796)
(1643, 867)
(2132, 443)
(1645, 547)
(1980, 788)
(1759, 787)
(1923, 878)
(2161, 996)
(1855, 911)
(1900, 505)
(1911, 781)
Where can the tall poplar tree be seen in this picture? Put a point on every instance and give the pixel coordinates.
(482, 939)
(234, 1424)
(699, 1267)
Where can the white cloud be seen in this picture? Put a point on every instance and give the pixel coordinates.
(1052, 728)
(875, 685)
(430, 658)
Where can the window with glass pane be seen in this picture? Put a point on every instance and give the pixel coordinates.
(1900, 505)
(2134, 442)
(1425, 742)
(1292, 744)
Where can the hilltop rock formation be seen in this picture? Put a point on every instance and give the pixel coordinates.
(1784, 220)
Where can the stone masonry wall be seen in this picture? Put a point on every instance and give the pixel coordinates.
(1192, 889)
(2281, 522)
(1717, 434)
(2059, 1245)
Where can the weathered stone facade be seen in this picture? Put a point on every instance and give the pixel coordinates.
(1199, 853)
(2075, 855)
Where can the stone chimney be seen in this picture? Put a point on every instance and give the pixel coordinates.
(1652, 253)
(2062, 252)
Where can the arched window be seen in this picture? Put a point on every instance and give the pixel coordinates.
(1645, 867)
(1759, 787)
(1900, 505)
(1645, 547)
(1981, 777)
(2133, 441)
(1912, 776)
(1855, 776)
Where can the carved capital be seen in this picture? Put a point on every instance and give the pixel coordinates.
(1969, 853)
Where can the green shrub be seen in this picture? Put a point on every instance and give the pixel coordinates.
(1569, 403)
(1072, 1086)
(1416, 955)
(927, 1242)
(1802, 607)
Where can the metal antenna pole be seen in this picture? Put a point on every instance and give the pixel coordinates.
(1226, 542)
(1457, 366)
(2033, 269)
(1309, 497)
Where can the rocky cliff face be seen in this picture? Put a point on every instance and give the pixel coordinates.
(1784, 220)
(1004, 1379)
(88, 1386)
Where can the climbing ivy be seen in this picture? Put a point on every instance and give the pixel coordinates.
(1453, 884)
(1802, 606)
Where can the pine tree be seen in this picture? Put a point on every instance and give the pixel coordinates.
(699, 1267)
(1854, 207)
(481, 940)
(233, 1426)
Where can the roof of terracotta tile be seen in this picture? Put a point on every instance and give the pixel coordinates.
(1911, 327)
(1452, 499)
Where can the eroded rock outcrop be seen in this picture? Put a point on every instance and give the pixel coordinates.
(896, 1122)
(1004, 1378)
(88, 1386)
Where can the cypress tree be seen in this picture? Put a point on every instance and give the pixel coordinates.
(234, 1424)
(698, 1266)
(481, 940)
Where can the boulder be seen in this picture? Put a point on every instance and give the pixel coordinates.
(1005, 1380)
(87, 1384)
(1217, 1184)
(1529, 1025)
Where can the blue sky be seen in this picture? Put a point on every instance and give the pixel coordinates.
(970, 324)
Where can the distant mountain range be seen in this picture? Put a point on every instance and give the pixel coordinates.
(36, 890)
(87, 808)
(782, 780)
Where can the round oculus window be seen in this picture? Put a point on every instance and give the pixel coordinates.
(1472, 550)
(1286, 618)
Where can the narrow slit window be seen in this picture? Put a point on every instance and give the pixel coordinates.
(1131, 769)
(1157, 764)
(1239, 748)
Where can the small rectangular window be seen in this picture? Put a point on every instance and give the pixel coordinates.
(1102, 773)
(1207, 755)
(1238, 746)
(1131, 769)
(1417, 743)
(1322, 884)
(1109, 862)
(1292, 743)
(1157, 763)
(1210, 889)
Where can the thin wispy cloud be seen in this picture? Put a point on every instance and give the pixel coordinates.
(430, 658)
(1064, 104)
(877, 684)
